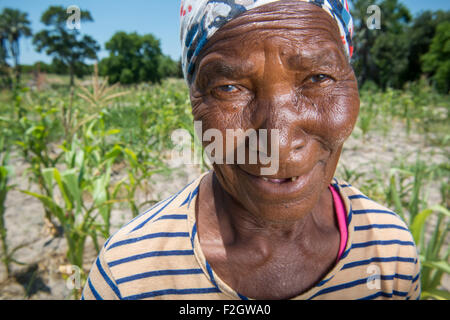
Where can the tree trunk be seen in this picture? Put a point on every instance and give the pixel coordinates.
(72, 76)
(16, 61)
(18, 74)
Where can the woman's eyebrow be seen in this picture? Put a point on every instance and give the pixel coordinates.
(225, 69)
(324, 57)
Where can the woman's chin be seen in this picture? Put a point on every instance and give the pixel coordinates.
(280, 198)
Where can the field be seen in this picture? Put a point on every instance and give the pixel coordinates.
(76, 164)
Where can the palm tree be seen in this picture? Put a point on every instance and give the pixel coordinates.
(14, 24)
(4, 75)
(3, 51)
(3, 48)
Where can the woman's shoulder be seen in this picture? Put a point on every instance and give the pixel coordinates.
(160, 232)
(161, 219)
(365, 209)
(378, 236)
(373, 225)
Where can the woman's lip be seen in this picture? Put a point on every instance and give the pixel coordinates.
(276, 180)
(278, 188)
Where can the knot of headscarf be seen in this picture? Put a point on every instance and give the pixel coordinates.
(200, 19)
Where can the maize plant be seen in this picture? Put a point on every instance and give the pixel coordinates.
(433, 252)
(405, 193)
(35, 145)
(84, 208)
(139, 172)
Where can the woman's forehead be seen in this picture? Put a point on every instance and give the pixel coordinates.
(296, 50)
(206, 18)
(246, 37)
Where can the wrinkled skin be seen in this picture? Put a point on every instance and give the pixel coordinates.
(285, 71)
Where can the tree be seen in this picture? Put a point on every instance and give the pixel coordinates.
(390, 54)
(437, 60)
(169, 68)
(133, 58)
(14, 24)
(4, 74)
(381, 55)
(66, 46)
(420, 34)
(3, 44)
(363, 40)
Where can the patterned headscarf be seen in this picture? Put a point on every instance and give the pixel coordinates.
(200, 19)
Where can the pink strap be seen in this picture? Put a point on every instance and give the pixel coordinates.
(342, 220)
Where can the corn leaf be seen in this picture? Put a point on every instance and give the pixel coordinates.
(70, 179)
(131, 156)
(395, 196)
(112, 132)
(436, 294)
(49, 204)
(442, 210)
(418, 223)
(112, 154)
(440, 265)
(47, 174)
(63, 189)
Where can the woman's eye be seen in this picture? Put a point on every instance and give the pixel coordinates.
(319, 78)
(228, 88)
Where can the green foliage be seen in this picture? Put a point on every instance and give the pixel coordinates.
(434, 256)
(405, 190)
(66, 46)
(87, 176)
(3, 48)
(73, 139)
(133, 58)
(406, 194)
(392, 55)
(4, 188)
(136, 58)
(168, 68)
(437, 60)
(14, 25)
(378, 51)
(419, 107)
(38, 127)
(420, 35)
(405, 187)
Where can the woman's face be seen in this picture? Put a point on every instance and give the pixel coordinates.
(279, 67)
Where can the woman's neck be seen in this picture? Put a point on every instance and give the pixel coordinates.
(237, 226)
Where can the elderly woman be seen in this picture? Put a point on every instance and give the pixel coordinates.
(235, 233)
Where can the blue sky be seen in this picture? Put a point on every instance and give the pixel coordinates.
(160, 17)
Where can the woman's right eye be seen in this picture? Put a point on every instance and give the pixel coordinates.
(227, 91)
(228, 88)
(318, 78)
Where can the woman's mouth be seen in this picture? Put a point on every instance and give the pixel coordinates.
(279, 181)
(282, 187)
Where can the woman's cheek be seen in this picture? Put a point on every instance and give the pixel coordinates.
(336, 112)
(220, 115)
(343, 116)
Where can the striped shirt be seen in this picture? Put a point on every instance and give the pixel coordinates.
(157, 255)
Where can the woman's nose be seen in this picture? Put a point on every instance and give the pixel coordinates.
(281, 109)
